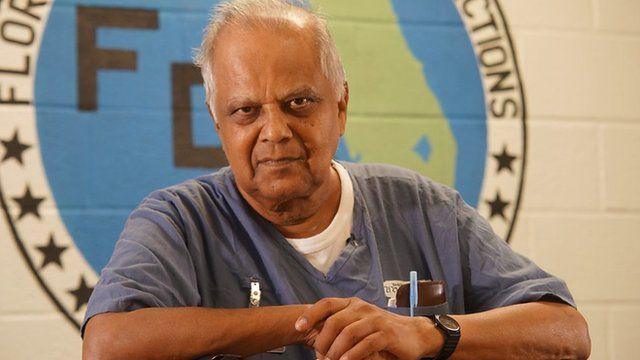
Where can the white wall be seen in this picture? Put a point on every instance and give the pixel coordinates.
(581, 213)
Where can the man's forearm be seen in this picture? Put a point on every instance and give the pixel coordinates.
(539, 330)
(189, 332)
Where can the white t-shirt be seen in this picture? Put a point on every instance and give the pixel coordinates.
(323, 249)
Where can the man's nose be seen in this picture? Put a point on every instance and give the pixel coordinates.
(276, 126)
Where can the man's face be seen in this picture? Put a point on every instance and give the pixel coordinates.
(277, 115)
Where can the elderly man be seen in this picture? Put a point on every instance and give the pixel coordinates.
(290, 248)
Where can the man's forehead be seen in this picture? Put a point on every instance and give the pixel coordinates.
(235, 39)
(250, 60)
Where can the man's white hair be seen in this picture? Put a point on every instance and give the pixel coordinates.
(270, 13)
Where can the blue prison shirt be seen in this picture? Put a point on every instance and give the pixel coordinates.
(199, 243)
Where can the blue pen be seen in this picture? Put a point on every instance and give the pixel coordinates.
(413, 291)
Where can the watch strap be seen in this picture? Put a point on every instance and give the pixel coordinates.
(451, 339)
(450, 344)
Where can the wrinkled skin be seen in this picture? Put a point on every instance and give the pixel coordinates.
(355, 329)
(279, 120)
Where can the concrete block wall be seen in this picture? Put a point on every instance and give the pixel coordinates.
(581, 209)
(580, 215)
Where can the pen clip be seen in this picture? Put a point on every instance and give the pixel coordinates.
(254, 294)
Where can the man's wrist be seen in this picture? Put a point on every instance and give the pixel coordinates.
(432, 339)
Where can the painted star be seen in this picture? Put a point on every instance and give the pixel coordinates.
(82, 293)
(28, 204)
(497, 206)
(505, 160)
(14, 148)
(51, 253)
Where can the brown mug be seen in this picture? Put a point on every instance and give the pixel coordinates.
(430, 293)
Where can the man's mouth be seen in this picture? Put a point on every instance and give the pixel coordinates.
(278, 161)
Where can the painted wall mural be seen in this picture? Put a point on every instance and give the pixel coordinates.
(100, 105)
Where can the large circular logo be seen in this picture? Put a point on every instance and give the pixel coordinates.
(101, 105)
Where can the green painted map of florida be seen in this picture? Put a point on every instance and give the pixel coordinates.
(393, 115)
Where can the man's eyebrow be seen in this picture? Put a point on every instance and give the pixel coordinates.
(304, 90)
(239, 100)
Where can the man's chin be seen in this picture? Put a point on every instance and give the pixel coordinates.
(283, 183)
(280, 190)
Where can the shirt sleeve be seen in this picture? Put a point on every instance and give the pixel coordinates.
(150, 266)
(494, 274)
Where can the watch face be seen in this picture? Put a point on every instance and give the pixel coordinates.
(448, 322)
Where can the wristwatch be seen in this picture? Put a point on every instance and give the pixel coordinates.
(451, 331)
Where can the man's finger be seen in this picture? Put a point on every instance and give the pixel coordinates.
(331, 328)
(349, 337)
(380, 356)
(370, 345)
(320, 311)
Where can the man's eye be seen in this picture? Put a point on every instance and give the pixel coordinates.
(245, 110)
(299, 103)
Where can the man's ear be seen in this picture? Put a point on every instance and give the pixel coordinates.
(343, 103)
